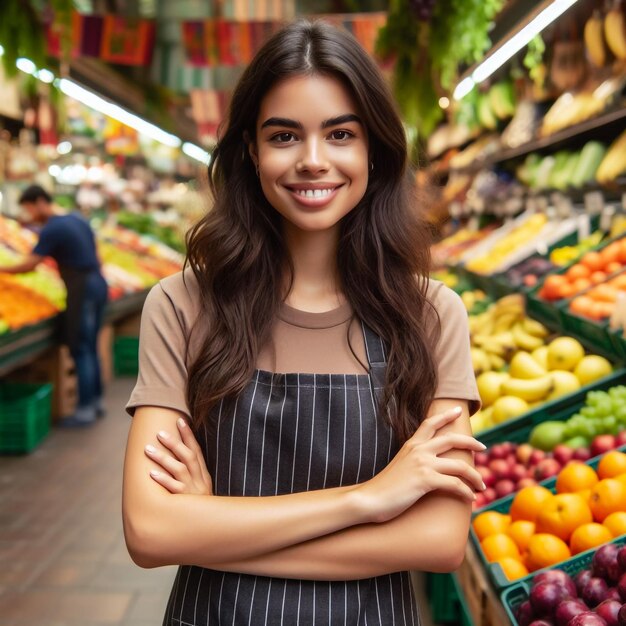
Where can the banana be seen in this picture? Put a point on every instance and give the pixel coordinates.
(531, 389)
(614, 162)
(594, 39)
(505, 321)
(533, 327)
(525, 340)
(615, 32)
(516, 299)
(497, 362)
(481, 362)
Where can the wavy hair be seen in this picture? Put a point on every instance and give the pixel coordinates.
(239, 258)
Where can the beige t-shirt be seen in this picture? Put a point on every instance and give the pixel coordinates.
(303, 342)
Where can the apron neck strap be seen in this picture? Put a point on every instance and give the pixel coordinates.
(374, 346)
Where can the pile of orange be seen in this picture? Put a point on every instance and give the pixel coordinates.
(543, 528)
(21, 306)
(593, 268)
(598, 302)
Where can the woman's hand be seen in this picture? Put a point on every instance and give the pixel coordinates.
(183, 467)
(417, 470)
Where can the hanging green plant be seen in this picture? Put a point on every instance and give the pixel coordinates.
(429, 40)
(533, 61)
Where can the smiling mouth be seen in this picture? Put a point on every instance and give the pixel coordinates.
(314, 195)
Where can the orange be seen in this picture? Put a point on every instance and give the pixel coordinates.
(597, 277)
(589, 536)
(528, 502)
(607, 497)
(512, 568)
(580, 284)
(581, 305)
(619, 282)
(578, 270)
(610, 253)
(521, 531)
(498, 546)
(552, 286)
(575, 476)
(545, 550)
(612, 267)
(593, 261)
(621, 478)
(563, 514)
(490, 523)
(616, 523)
(612, 464)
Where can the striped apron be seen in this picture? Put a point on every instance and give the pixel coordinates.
(288, 433)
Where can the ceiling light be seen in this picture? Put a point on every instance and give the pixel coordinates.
(45, 76)
(463, 88)
(196, 152)
(444, 102)
(65, 147)
(26, 65)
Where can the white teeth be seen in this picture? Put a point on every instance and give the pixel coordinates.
(314, 193)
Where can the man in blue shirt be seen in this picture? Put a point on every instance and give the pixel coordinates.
(69, 240)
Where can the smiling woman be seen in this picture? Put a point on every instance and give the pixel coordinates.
(300, 438)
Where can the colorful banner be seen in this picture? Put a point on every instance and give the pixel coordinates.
(208, 107)
(216, 42)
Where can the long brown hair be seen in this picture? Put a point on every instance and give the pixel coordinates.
(239, 258)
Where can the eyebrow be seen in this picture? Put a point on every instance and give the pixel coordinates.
(333, 121)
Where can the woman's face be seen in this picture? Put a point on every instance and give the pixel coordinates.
(312, 151)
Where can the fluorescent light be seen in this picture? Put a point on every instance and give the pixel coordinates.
(26, 65)
(65, 147)
(45, 76)
(91, 99)
(196, 152)
(54, 170)
(512, 46)
(463, 88)
(1, 51)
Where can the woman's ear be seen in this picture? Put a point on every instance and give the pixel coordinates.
(252, 151)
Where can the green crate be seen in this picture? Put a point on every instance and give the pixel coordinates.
(518, 593)
(547, 312)
(464, 612)
(518, 429)
(126, 356)
(619, 342)
(445, 597)
(24, 416)
(593, 333)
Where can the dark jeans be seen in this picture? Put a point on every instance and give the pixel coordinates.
(85, 350)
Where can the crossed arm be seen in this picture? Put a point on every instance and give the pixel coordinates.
(412, 515)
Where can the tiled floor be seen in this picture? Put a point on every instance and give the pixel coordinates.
(63, 561)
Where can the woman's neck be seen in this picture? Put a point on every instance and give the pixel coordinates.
(315, 285)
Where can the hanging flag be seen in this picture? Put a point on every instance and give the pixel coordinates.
(194, 43)
(126, 40)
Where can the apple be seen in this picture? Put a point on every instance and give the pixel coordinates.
(594, 591)
(504, 487)
(621, 616)
(489, 494)
(500, 468)
(511, 459)
(498, 451)
(481, 458)
(589, 618)
(517, 472)
(620, 438)
(545, 597)
(608, 611)
(621, 559)
(613, 594)
(540, 622)
(582, 454)
(480, 501)
(536, 456)
(580, 579)
(563, 454)
(526, 482)
(601, 444)
(604, 563)
(559, 577)
(486, 473)
(524, 613)
(523, 453)
(568, 609)
(546, 468)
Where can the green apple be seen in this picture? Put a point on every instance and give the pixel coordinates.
(547, 435)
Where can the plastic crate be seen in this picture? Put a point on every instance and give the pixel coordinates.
(126, 356)
(24, 416)
(518, 593)
(518, 430)
(619, 342)
(594, 333)
(499, 580)
(445, 597)
(464, 617)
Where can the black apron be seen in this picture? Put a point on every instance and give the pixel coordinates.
(289, 433)
(75, 281)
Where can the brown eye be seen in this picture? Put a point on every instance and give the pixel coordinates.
(341, 135)
(283, 137)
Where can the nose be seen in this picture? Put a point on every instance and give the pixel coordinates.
(312, 157)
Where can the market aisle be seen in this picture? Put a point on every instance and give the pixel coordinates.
(64, 562)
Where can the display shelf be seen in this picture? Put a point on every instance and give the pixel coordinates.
(125, 306)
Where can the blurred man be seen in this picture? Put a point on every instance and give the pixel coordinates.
(69, 240)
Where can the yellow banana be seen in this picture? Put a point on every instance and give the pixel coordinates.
(533, 327)
(497, 362)
(481, 362)
(505, 321)
(615, 32)
(614, 162)
(594, 40)
(525, 340)
(529, 389)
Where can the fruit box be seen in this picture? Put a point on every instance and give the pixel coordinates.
(519, 592)
(518, 430)
(503, 505)
(595, 333)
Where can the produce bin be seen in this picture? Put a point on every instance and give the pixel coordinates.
(126, 356)
(499, 580)
(24, 416)
(518, 430)
(589, 331)
(619, 342)
(518, 593)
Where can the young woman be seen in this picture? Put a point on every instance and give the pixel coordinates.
(327, 380)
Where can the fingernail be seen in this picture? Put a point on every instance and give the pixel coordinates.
(482, 445)
(154, 473)
(163, 434)
(151, 449)
(473, 496)
(483, 486)
(181, 422)
(456, 409)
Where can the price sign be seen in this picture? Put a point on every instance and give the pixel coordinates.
(606, 218)
(594, 202)
(584, 227)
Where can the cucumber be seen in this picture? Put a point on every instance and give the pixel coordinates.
(590, 158)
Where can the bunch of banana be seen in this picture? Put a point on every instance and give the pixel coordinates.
(471, 298)
(615, 31)
(529, 334)
(594, 39)
(614, 162)
(529, 389)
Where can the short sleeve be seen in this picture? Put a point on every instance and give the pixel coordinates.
(48, 240)
(162, 379)
(452, 354)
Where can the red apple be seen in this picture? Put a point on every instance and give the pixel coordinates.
(523, 453)
(546, 469)
(489, 494)
(517, 472)
(608, 611)
(498, 451)
(480, 501)
(601, 444)
(621, 559)
(568, 609)
(594, 591)
(580, 579)
(613, 594)
(604, 563)
(526, 482)
(504, 487)
(562, 453)
(621, 616)
(545, 597)
(536, 456)
(481, 458)
(620, 438)
(582, 454)
(500, 468)
(589, 618)
(559, 577)
(524, 613)
(489, 478)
